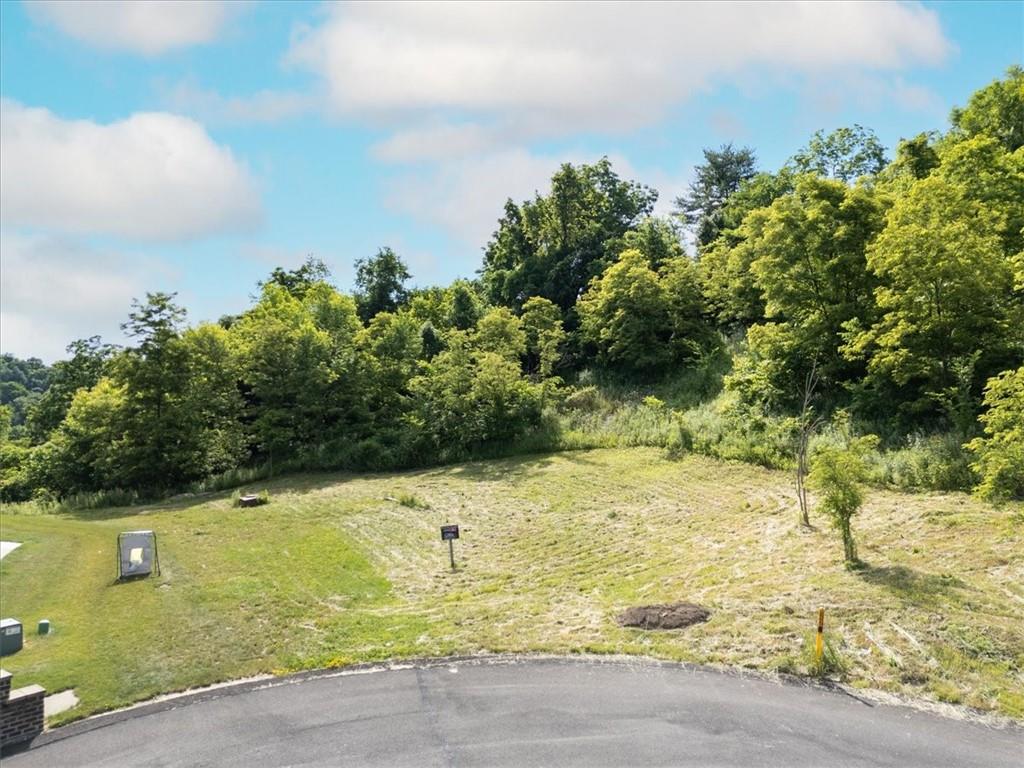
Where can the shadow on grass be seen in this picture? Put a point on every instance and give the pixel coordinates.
(910, 584)
(485, 469)
(515, 467)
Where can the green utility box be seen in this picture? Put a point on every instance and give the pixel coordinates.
(10, 636)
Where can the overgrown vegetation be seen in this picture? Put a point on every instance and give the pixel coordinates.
(898, 286)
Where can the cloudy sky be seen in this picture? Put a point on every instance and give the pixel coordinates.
(193, 147)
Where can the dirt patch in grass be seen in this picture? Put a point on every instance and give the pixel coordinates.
(673, 616)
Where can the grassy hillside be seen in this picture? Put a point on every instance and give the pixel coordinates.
(339, 569)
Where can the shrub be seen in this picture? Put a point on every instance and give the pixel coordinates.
(587, 399)
(932, 462)
(838, 471)
(680, 439)
(1000, 453)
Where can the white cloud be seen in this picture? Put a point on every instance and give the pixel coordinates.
(149, 27)
(53, 291)
(153, 176)
(437, 140)
(261, 107)
(465, 197)
(604, 66)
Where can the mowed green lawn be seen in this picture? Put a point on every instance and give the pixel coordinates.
(335, 571)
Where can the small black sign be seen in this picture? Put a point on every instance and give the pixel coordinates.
(449, 532)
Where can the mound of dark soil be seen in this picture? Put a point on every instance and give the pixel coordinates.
(671, 616)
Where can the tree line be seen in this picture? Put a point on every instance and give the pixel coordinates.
(895, 285)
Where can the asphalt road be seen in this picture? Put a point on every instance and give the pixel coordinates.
(522, 713)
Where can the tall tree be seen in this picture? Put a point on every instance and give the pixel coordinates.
(501, 333)
(88, 361)
(153, 375)
(542, 322)
(917, 156)
(807, 256)
(846, 154)
(943, 294)
(625, 315)
(553, 245)
(390, 346)
(463, 306)
(995, 111)
(380, 284)
(1000, 453)
(716, 179)
(297, 281)
(641, 321)
(301, 370)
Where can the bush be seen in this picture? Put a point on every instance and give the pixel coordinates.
(680, 439)
(726, 429)
(586, 399)
(837, 471)
(1000, 453)
(932, 462)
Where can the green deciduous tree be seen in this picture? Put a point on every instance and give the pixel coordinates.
(641, 321)
(806, 255)
(845, 154)
(995, 111)
(999, 454)
(88, 361)
(22, 384)
(625, 315)
(655, 238)
(500, 332)
(466, 398)
(728, 283)
(545, 335)
(300, 368)
(463, 306)
(212, 400)
(391, 347)
(298, 281)
(943, 294)
(917, 156)
(380, 284)
(158, 442)
(553, 245)
(88, 451)
(838, 473)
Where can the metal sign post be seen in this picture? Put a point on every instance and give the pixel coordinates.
(450, 533)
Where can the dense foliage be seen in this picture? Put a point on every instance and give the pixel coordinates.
(899, 284)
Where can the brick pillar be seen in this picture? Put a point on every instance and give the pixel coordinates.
(5, 685)
(21, 711)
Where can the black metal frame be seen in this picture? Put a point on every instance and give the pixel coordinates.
(156, 558)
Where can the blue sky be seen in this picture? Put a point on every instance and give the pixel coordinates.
(193, 147)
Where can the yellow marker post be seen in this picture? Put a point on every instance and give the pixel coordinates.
(819, 644)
